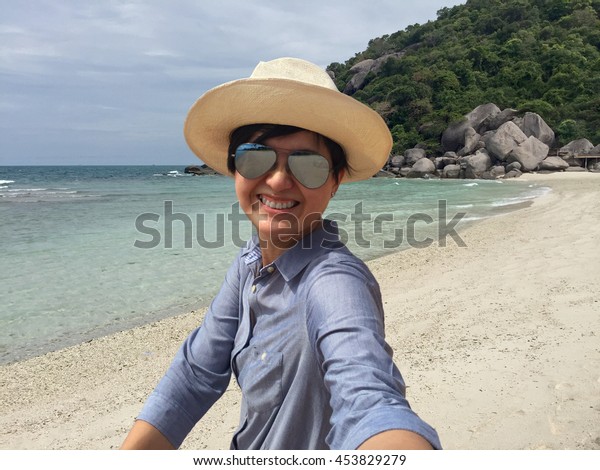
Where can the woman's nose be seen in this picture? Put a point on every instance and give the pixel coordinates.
(279, 178)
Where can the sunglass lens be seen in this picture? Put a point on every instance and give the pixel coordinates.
(310, 169)
(254, 160)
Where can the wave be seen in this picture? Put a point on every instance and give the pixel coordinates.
(471, 184)
(41, 194)
(27, 190)
(512, 201)
(173, 174)
(6, 182)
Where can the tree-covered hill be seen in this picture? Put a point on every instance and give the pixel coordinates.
(531, 55)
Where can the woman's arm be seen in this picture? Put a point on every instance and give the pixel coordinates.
(395, 439)
(144, 436)
(345, 324)
(196, 378)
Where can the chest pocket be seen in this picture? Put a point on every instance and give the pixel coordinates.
(260, 377)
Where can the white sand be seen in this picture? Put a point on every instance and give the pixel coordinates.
(499, 343)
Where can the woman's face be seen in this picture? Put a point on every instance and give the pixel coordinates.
(281, 209)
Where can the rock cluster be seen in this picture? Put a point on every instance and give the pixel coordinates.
(199, 170)
(492, 143)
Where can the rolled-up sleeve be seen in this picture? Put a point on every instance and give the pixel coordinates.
(200, 371)
(346, 327)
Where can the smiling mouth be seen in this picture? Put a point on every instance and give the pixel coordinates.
(277, 205)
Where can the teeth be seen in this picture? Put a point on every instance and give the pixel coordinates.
(277, 205)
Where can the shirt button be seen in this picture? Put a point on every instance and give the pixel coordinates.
(270, 269)
(254, 288)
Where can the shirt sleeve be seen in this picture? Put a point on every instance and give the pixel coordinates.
(346, 327)
(200, 371)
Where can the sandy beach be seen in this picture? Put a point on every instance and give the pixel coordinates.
(498, 342)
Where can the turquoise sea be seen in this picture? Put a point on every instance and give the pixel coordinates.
(90, 250)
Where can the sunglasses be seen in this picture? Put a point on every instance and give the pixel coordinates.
(310, 169)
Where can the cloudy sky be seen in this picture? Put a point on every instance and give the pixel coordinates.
(110, 81)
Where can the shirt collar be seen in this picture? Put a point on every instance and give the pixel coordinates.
(294, 260)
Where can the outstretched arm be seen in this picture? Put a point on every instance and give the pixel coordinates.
(144, 436)
(345, 323)
(395, 439)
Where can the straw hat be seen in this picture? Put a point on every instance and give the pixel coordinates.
(292, 92)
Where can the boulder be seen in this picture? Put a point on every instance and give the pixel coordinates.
(451, 171)
(404, 171)
(359, 73)
(453, 138)
(443, 162)
(553, 164)
(356, 83)
(494, 122)
(422, 167)
(529, 153)
(497, 171)
(518, 121)
(487, 135)
(513, 174)
(397, 161)
(471, 139)
(449, 160)
(482, 113)
(477, 164)
(534, 125)
(576, 147)
(361, 69)
(513, 166)
(379, 62)
(575, 169)
(570, 159)
(504, 140)
(413, 155)
(362, 66)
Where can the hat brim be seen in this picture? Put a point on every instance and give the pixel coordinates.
(359, 130)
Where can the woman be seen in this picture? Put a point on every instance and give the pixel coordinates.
(298, 319)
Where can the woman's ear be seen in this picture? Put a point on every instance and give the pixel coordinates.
(336, 185)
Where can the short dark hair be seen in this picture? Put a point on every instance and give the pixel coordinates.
(244, 134)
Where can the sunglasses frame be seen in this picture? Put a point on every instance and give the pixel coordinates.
(292, 156)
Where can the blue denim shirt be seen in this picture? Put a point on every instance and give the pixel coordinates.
(304, 337)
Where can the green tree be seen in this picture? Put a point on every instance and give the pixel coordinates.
(569, 130)
(532, 55)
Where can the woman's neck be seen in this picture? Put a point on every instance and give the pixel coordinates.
(272, 249)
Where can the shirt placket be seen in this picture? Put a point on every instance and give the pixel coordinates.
(251, 304)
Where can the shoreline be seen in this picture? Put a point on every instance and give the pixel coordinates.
(500, 353)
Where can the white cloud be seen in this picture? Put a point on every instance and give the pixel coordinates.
(133, 67)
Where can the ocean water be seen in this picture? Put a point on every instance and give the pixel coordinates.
(90, 250)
